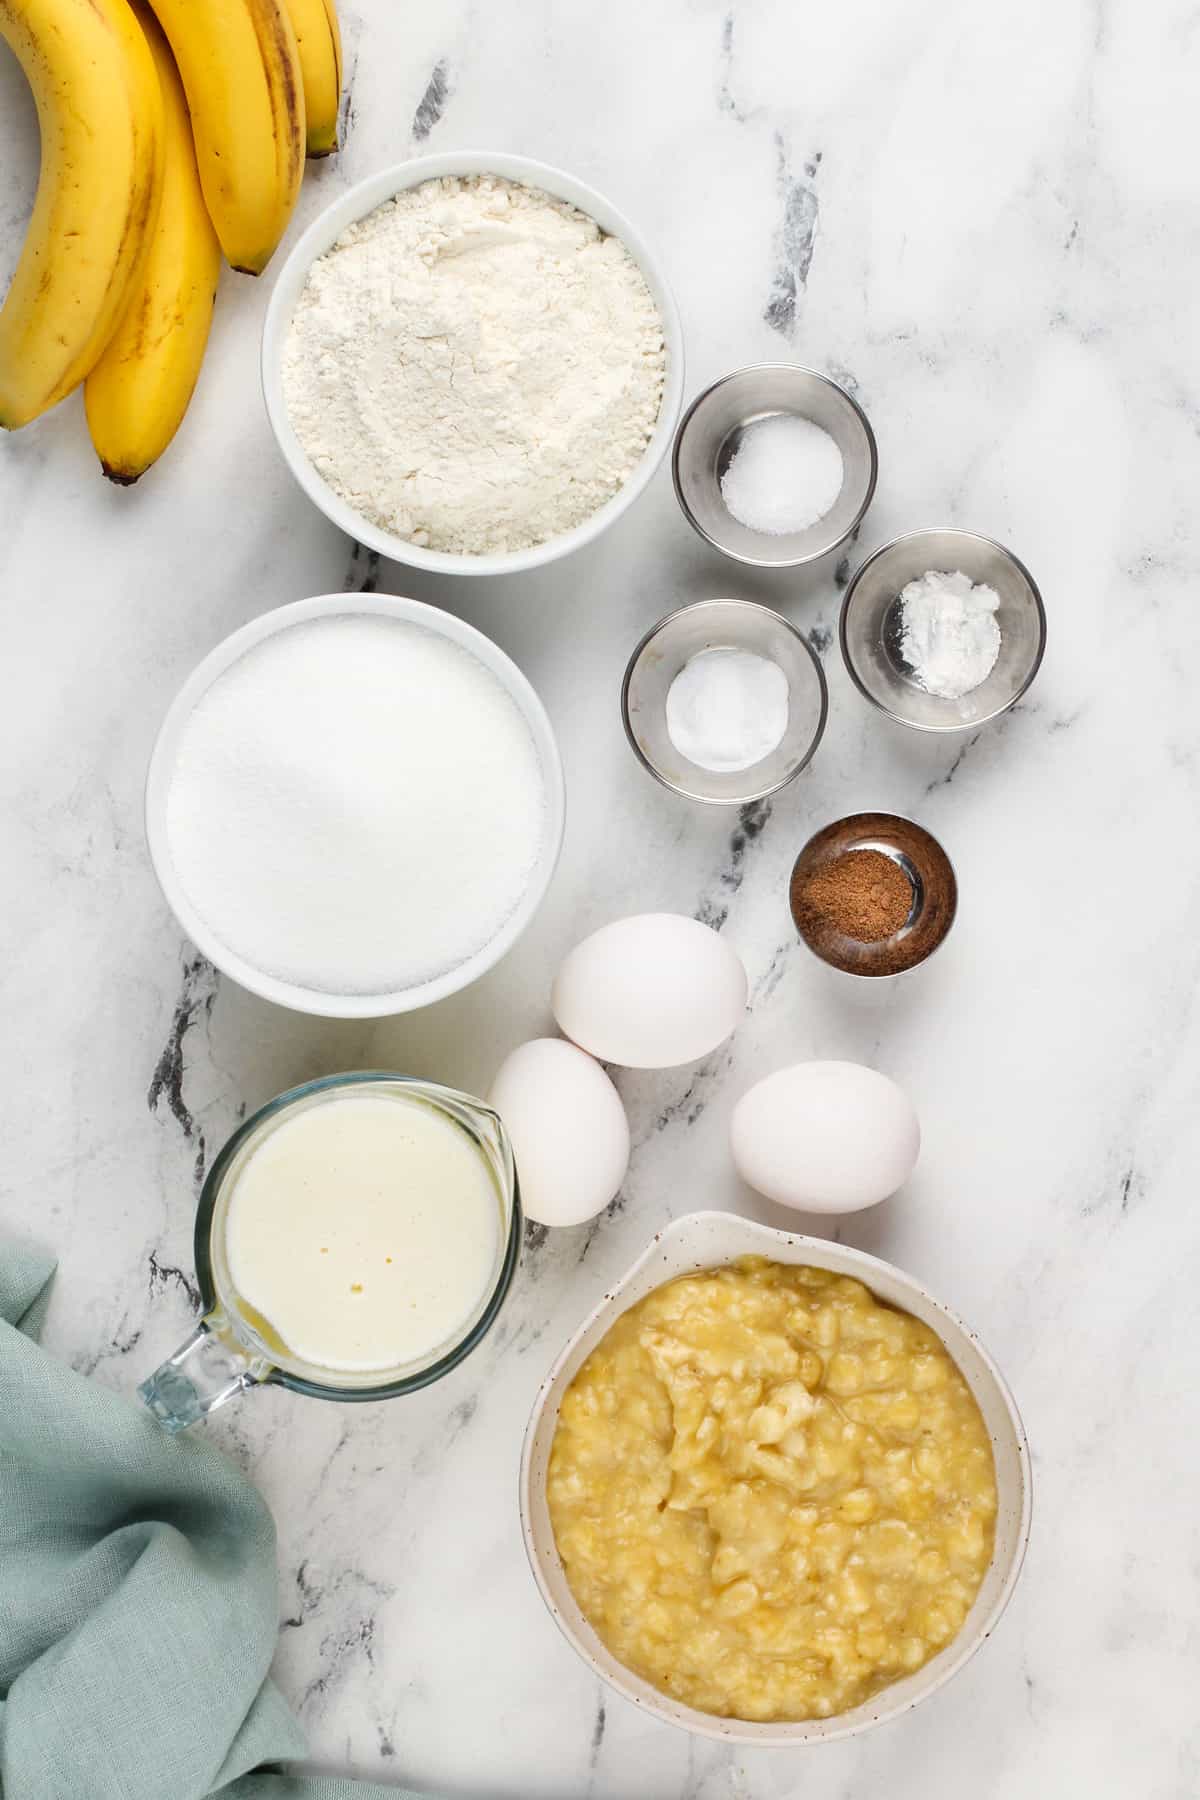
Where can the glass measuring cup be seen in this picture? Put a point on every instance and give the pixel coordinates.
(233, 1348)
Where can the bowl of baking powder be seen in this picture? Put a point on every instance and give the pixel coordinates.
(472, 363)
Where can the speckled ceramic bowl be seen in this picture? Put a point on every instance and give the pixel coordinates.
(707, 1240)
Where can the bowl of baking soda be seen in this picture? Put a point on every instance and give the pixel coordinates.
(724, 702)
(355, 805)
(775, 465)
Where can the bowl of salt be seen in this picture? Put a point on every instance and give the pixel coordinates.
(775, 465)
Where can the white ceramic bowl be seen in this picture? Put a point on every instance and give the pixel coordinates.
(162, 760)
(355, 204)
(706, 1240)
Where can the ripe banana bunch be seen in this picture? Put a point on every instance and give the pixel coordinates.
(160, 150)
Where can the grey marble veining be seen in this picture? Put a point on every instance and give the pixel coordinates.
(982, 220)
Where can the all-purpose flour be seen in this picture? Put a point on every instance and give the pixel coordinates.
(475, 366)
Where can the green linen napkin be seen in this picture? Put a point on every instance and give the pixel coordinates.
(138, 1606)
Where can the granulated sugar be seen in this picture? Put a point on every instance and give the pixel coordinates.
(356, 806)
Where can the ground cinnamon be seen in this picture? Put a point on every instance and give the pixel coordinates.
(861, 894)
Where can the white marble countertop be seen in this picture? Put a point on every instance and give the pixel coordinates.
(983, 220)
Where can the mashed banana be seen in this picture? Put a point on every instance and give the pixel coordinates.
(772, 1493)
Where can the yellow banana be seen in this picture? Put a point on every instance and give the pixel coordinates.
(138, 392)
(240, 67)
(100, 114)
(315, 23)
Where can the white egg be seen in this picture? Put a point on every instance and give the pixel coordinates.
(825, 1137)
(569, 1133)
(650, 992)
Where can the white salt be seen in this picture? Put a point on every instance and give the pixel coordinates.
(948, 632)
(727, 709)
(785, 474)
(356, 806)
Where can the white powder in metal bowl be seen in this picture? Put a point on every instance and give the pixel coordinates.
(949, 635)
(356, 806)
(727, 708)
(785, 474)
(475, 366)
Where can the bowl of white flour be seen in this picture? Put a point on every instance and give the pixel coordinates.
(472, 363)
(355, 805)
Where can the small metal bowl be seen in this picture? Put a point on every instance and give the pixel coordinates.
(709, 625)
(870, 628)
(711, 431)
(929, 872)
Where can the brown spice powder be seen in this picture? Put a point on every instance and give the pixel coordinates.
(861, 894)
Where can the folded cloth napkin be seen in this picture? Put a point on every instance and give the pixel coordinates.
(138, 1606)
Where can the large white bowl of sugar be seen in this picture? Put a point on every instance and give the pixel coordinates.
(355, 805)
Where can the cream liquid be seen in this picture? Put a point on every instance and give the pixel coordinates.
(364, 1231)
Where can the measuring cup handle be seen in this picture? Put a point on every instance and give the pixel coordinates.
(203, 1373)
